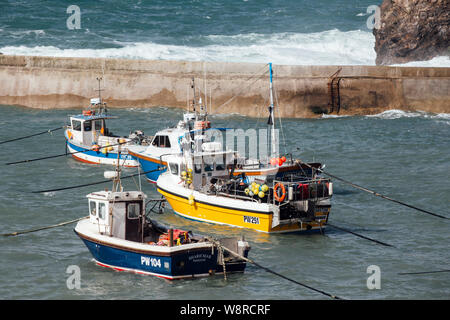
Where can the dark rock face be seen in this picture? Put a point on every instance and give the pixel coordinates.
(412, 30)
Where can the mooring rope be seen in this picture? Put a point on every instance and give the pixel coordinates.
(32, 135)
(42, 228)
(422, 272)
(62, 154)
(359, 235)
(218, 245)
(98, 182)
(375, 193)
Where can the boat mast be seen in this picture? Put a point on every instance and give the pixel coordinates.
(271, 121)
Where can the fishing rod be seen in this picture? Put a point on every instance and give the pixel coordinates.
(32, 135)
(374, 192)
(216, 243)
(98, 182)
(62, 154)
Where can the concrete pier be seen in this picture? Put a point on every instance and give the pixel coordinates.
(302, 91)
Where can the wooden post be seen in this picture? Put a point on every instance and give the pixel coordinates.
(170, 237)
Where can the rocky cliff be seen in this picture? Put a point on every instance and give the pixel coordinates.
(412, 30)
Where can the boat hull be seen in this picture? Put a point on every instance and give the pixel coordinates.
(189, 263)
(97, 157)
(233, 215)
(149, 164)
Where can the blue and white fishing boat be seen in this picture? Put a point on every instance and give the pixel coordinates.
(195, 126)
(119, 235)
(168, 141)
(89, 140)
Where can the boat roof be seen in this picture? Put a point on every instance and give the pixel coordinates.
(93, 117)
(117, 196)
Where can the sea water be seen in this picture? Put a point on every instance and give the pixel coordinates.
(404, 155)
(299, 32)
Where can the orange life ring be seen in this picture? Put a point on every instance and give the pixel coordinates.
(96, 147)
(283, 192)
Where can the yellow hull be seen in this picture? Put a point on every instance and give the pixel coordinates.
(259, 221)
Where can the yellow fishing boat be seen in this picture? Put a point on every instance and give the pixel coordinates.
(200, 187)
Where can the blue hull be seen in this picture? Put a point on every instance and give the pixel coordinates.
(178, 265)
(147, 165)
(97, 154)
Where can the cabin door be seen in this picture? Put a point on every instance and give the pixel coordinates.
(133, 222)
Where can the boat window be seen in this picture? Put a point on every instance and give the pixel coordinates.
(87, 125)
(98, 124)
(208, 167)
(102, 210)
(76, 125)
(93, 208)
(220, 166)
(173, 168)
(198, 168)
(133, 210)
(161, 142)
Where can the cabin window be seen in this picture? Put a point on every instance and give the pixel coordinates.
(87, 126)
(208, 167)
(93, 208)
(198, 168)
(221, 165)
(173, 168)
(102, 210)
(161, 142)
(76, 125)
(98, 125)
(134, 210)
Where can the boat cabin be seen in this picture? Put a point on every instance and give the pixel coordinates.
(211, 162)
(118, 214)
(86, 128)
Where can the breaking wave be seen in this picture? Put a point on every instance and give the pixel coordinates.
(396, 114)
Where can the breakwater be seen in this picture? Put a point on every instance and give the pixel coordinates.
(302, 91)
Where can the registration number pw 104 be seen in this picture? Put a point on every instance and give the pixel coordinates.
(154, 262)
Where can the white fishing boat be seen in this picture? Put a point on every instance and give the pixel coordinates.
(197, 127)
(89, 140)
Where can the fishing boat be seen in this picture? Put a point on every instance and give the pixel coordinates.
(210, 183)
(167, 141)
(200, 186)
(195, 124)
(89, 140)
(120, 235)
